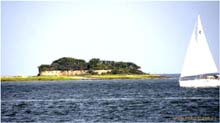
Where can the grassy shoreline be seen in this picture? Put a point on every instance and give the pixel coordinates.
(81, 77)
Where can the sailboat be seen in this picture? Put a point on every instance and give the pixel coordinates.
(199, 69)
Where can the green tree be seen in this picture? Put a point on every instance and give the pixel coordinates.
(44, 67)
(68, 63)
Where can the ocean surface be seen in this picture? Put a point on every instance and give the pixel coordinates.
(153, 100)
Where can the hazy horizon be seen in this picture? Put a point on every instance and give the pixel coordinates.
(153, 35)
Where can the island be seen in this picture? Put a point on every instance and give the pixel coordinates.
(68, 68)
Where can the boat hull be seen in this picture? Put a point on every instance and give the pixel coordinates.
(200, 83)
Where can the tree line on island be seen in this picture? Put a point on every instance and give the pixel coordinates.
(68, 63)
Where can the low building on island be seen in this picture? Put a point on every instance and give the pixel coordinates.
(70, 72)
(67, 66)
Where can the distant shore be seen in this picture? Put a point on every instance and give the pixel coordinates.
(81, 77)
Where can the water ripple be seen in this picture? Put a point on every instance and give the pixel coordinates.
(113, 99)
(155, 100)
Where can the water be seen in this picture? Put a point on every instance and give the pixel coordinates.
(154, 100)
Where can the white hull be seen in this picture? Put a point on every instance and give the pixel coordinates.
(200, 83)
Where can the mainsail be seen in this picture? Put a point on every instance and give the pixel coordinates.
(198, 58)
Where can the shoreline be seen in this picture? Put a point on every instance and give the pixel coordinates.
(82, 77)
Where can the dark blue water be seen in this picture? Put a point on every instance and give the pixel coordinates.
(155, 100)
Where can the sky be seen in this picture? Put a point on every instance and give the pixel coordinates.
(154, 35)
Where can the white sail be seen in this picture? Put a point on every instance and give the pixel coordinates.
(198, 58)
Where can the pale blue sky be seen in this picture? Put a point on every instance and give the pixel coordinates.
(154, 35)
